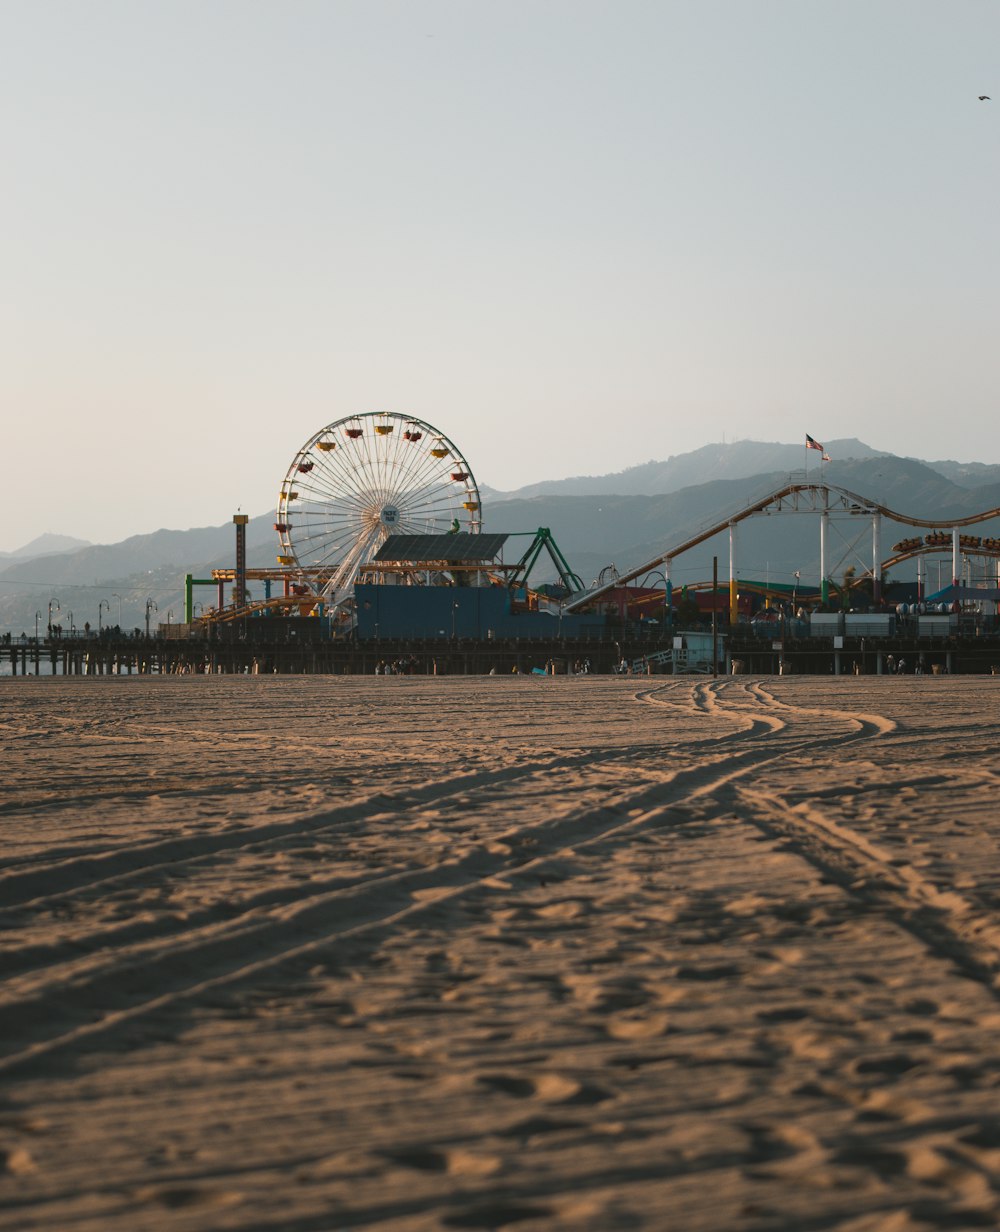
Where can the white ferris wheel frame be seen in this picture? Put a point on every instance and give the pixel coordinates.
(360, 479)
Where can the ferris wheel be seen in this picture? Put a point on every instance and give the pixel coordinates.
(361, 479)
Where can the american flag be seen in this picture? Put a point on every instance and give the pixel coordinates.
(811, 444)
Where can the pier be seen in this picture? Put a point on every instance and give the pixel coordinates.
(231, 654)
(175, 650)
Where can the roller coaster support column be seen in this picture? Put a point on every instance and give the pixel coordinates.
(824, 584)
(921, 578)
(877, 559)
(956, 557)
(668, 594)
(734, 610)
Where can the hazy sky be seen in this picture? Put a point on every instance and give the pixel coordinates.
(573, 235)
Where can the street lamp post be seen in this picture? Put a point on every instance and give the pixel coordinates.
(150, 606)
(454, 609)
(114, 595)
(103, 603)
(58, 609)
(72, 627)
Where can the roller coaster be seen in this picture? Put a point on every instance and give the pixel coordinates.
(822, 499)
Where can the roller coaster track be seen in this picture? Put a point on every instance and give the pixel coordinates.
(796, 498)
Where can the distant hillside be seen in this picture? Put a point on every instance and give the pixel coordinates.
(95, 563)
(968, 474)
(45, 545)
(733, 460)
(139, 568)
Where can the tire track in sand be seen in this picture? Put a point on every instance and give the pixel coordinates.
(134, 983)
(35, 883)
(949, 924)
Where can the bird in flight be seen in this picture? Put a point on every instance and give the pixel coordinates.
(985, 98)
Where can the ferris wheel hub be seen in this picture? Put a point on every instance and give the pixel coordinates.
(390, 515)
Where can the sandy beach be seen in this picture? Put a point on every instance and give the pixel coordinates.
(481, 953)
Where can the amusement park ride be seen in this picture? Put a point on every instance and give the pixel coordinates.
(380, 502)
(824, 500)
(374, 499)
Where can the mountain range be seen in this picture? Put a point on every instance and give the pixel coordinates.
(45, 545)
(737, 460)
(622, 519)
